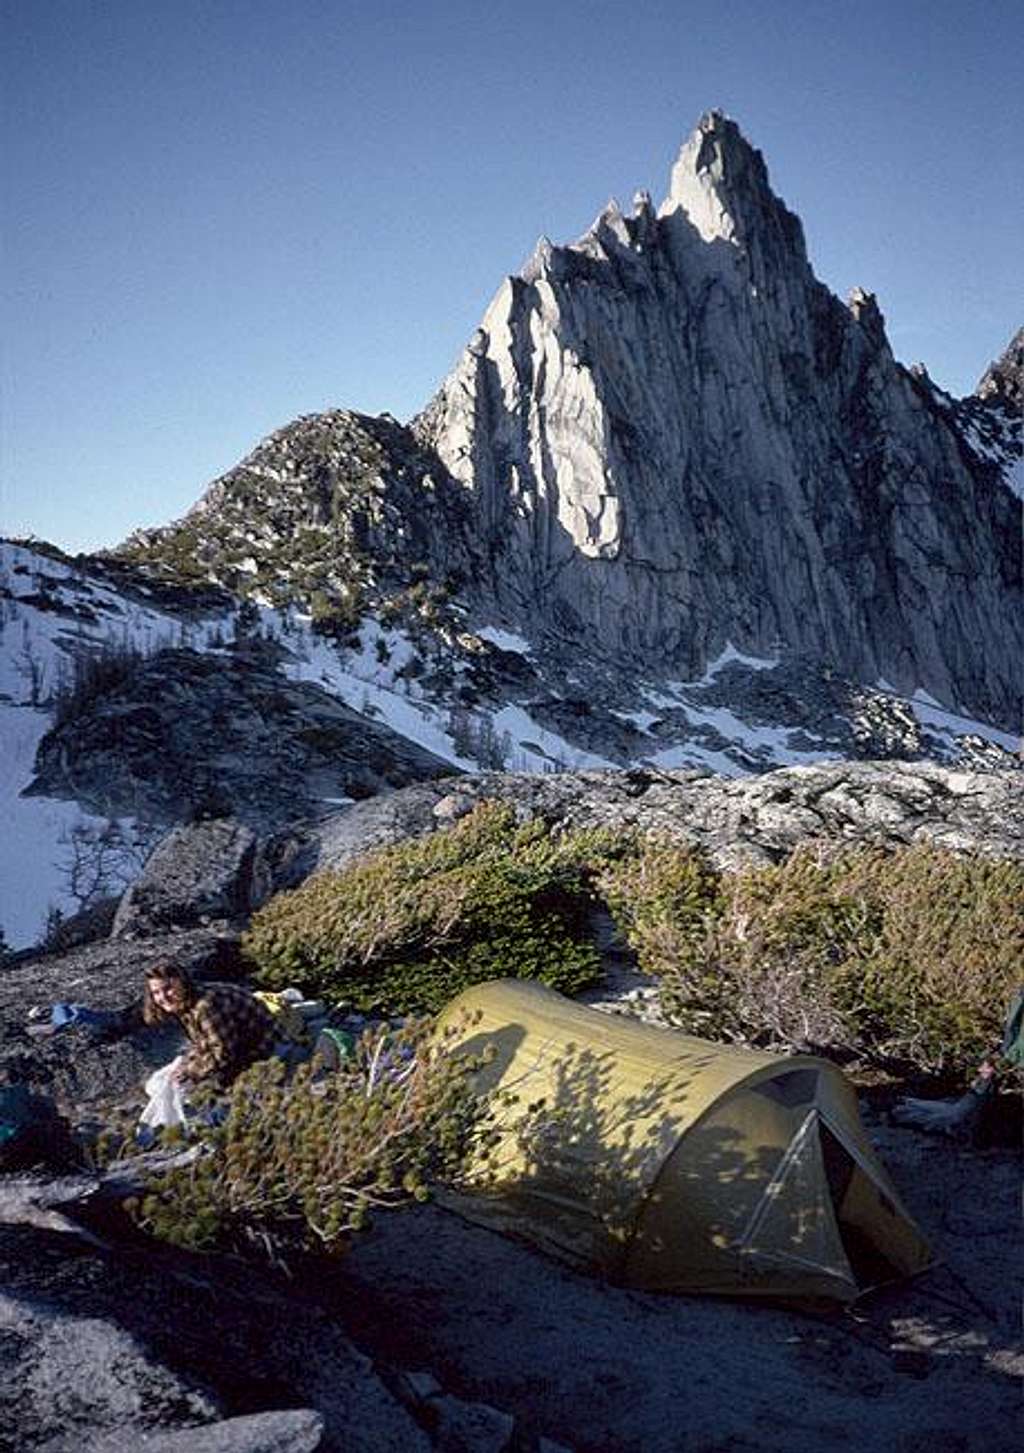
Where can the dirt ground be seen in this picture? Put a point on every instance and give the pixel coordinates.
(935, 1364)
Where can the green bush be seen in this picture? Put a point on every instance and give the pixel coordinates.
(408, 927)
(905, 955)
(947, 956)
(909, 954)
(305, 1162)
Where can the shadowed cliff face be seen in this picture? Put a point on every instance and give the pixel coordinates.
(677, 437)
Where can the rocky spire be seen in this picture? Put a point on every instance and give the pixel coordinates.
(864, 308)
(677, 438)
(721, 183)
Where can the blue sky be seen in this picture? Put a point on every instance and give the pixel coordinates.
(220, 214)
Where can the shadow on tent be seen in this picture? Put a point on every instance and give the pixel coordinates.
(668, 1163)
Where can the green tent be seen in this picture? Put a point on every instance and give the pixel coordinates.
(673, 1164)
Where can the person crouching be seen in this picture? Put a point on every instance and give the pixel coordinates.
(228, 1029)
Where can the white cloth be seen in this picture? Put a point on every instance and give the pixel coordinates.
(166, 1104)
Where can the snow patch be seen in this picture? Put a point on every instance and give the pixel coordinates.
(643, 720)
(771, 740)
(670, 693)
(504, 640)
(729, 655)
(534, 747)
(930, 713)
(35, 843)
(999, 444)
(370, 681)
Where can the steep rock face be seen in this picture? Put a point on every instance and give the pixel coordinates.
(678, 438)
(991, 421)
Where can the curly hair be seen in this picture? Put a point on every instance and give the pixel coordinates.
(167, 972)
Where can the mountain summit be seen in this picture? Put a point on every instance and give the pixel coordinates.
(677, 438)
(720, 183)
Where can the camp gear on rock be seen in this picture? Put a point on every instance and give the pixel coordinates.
(165, 1106)
(673, 1164)
(292, 1014)
(955, 1118)
(80, 1016)
(333, 1046)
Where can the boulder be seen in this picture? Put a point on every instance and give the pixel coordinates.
(198, 872)
(109, 1350)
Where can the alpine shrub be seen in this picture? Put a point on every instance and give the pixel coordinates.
(909, 954)
(304, 1162)
(408, 927)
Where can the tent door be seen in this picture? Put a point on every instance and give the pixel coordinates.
(852, 1187)
(794, 1223)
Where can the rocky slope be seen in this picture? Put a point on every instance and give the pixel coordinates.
(185, 733)
(129, 702)
(340, 511)
(437, 1335)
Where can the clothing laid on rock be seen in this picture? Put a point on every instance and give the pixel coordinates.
(228, 1029)
(80, 1016)
(165, 1106)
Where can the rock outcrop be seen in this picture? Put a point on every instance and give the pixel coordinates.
(737, 822)
(332, 510)
(676, 437)
(112, 1351)
(186, 734)
(1003, 381)
(200, 871)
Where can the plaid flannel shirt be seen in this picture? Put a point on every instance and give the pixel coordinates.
(228, 1030)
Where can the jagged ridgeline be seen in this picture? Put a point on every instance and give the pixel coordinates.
(666, 437)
